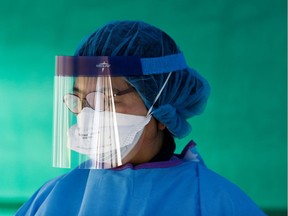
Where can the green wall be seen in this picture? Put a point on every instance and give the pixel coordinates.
(239, 46)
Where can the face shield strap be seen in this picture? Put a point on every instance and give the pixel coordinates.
(118, 65)
(164, 64)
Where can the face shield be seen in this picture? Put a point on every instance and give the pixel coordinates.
(99, 117)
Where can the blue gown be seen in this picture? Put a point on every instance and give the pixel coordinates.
(180, 186)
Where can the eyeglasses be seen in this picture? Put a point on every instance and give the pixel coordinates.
(96, 100)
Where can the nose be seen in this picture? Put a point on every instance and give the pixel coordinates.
(85, 103)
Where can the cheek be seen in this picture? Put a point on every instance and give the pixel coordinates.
(149, 135)
(131, 105)
(145, 145)
(151, 129)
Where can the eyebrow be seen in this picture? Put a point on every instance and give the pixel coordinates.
(76, 89)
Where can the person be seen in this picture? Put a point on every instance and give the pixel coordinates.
(119, 103)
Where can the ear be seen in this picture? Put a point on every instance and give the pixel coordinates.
(160, 126)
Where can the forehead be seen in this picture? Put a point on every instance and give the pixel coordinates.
(87, 84)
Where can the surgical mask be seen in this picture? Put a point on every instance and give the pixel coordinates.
(99, 134)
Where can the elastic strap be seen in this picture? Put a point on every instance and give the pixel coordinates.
(164, 64)
(158, 95)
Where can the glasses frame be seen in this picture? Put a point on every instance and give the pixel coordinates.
(84, 102)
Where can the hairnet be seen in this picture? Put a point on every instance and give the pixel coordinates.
(186, 92)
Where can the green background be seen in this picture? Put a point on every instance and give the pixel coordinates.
(239, 46)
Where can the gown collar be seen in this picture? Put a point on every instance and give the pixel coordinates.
(176, 159)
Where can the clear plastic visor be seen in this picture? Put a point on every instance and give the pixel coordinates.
(97, 121)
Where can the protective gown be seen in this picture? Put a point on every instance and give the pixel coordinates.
(181, 186)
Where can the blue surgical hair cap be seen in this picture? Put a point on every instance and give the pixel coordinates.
(186, 92)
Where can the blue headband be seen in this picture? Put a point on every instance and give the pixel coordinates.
(118, 65)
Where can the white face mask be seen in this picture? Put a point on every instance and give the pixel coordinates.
(100, 135)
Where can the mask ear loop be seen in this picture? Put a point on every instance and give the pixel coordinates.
(158, 95)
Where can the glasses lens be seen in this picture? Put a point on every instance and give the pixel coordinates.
(96, 100)
(73, 103)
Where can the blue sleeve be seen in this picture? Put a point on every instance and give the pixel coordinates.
(32, 205)
(218, 196)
